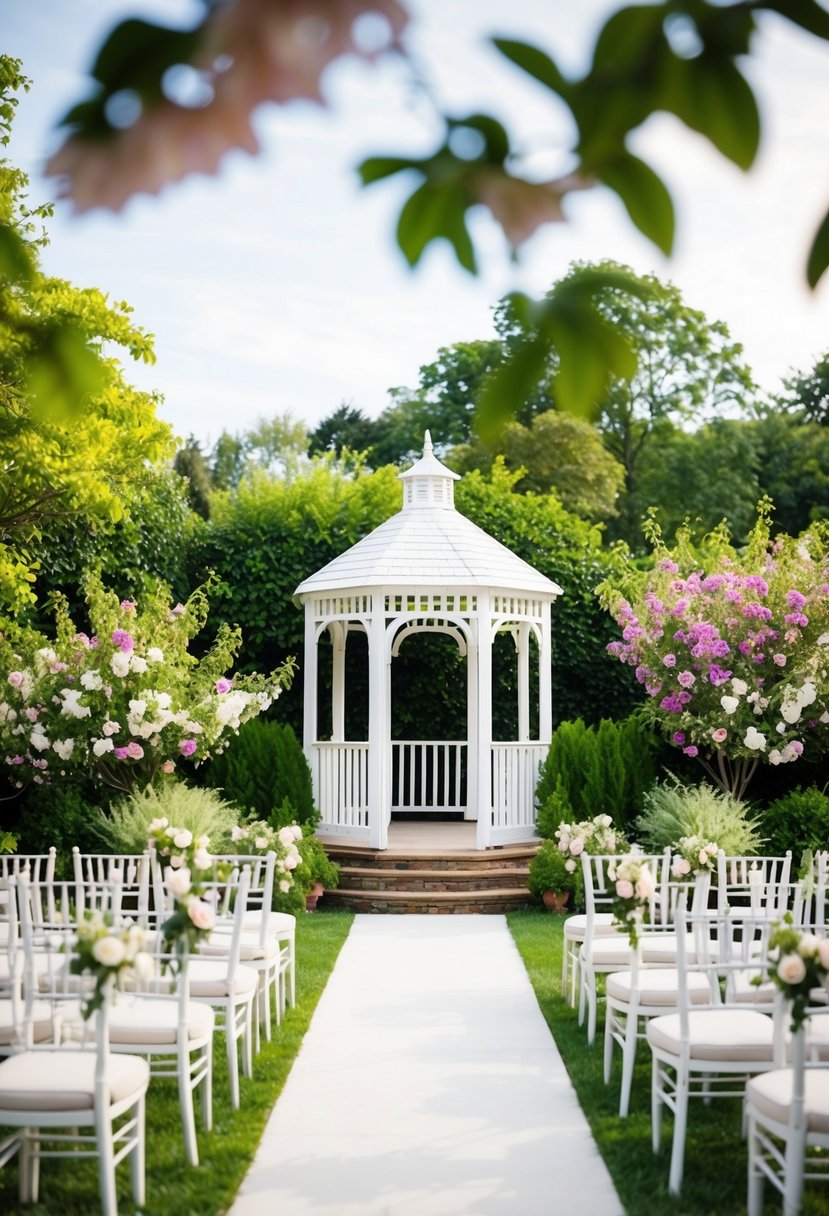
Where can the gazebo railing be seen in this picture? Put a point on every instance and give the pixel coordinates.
(340, 772)
(428, 776)
(515, 769)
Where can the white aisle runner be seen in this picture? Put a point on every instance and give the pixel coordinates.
(428, 1084)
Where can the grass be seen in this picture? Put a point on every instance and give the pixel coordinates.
(70, 1188)
(715, 1155)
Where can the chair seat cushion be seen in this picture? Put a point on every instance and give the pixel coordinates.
(208, 980)
(771, 1095)
(661, 947)
(657, 987)
(43, 1023)
(727, 1035)
(575, 927)
(65, 1080)
(135, 1022)
(250, 950)
(610, 951)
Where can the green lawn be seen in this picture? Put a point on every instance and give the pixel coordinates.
(715, 1156)
(70, 1188)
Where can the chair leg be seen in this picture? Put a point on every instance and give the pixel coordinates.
(793, 1171)
(106, 1164)
(680, 1127)
(292, 969)
(609, 1019)
(188, 1120)
(565, 961)
(592, 1011)
(247, 1040)
(754, 1198)
(574, 976)
(138, 1171)
(628, 1061)
(232, 1058)
(28, 1185)
(207, 1088)
(656, 1107)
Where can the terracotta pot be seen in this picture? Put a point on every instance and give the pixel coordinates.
(555, 900)
(312, 896)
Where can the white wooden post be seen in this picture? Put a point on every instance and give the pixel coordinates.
(545, 677)
(472, 722)
(483, 734)
(523, 682)
(309, 689)
(339, 634)
(379, 730)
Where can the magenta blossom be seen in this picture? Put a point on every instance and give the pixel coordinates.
(678, 738)
(691, 751)
(120, 753)
(223, 685)
(127, 605)
(187, 747)
(134, 750)
(122, 640)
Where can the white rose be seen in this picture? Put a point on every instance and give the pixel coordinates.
(100, 747)
(297, 831)
(284, 885)
(154, 655)
(681, 866)
(755, 740)
(729, 704)
(64, 748)
(237, 833)
(807, 946)
(177, 882)
(791, 969)
(740, 687)
(109, 951)
(202, 859)
(138, 664)
(120, 663)
(143, 965)
(138, 708)
(91, 680)
(183, 838)
(285, 836)
(155, 825)
(39, 741)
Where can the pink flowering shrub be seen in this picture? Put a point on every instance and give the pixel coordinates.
(732, 649)
(127, 700)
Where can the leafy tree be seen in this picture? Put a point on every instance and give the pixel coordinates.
(63, 452)
(793, 459)
(228, 461)
(556, 452)
(705, 476)
(685, 57)
(263, 771)
(346, 427)
(807, 392)
(276, 443)
(191, 465)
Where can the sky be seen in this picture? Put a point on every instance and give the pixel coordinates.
(277, 286)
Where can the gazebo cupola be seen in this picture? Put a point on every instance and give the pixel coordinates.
(427, 569)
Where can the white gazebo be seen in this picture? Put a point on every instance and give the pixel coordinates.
(427, 569)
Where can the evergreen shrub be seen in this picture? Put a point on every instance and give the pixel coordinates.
(798, 821)
(263, 772)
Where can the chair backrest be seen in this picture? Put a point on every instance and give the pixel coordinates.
(130, 870)
(600, 886)
(59, 904)
(740, 878)
(260, 889)
(39, 867)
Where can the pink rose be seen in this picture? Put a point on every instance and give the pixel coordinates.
(168, 767)
(576, 846)
(719, 735)
(624, 889)
(201, 914)
(791, 969)
(223, 685)
(134, 750)
(187, 747)
(120, 753)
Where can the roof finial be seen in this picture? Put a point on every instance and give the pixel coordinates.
(427, 444)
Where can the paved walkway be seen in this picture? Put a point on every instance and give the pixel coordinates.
(428, 1085)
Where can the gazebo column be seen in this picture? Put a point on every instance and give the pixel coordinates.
(523, 645)
(545, 677)
(379, 730)
(309, 687)
(483, 733)
(472, 722)
(339, 633)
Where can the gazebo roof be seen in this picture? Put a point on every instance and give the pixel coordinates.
(429, 544)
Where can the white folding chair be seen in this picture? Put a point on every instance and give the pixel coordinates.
(130, 870)
(44, 1088)
(38, 867)
(649, 990)
(742, 879)
(708, 1051)
(788, 1116)
(601, 952)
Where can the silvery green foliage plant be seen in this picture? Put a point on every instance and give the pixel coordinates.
(200, 811)
(673, 811)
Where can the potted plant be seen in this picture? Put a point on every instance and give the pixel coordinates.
(316, 871)
(550, 878)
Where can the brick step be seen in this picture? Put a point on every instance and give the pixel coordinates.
(363, 878)
(430, 902)
(387, 859)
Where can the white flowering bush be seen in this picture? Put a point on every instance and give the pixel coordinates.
(110, 954)
(732, 649)
(596, 835)
(798, 963)
(258, 836)
(634, 886)
(186, 864)
(126, 701)
(693, 855)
